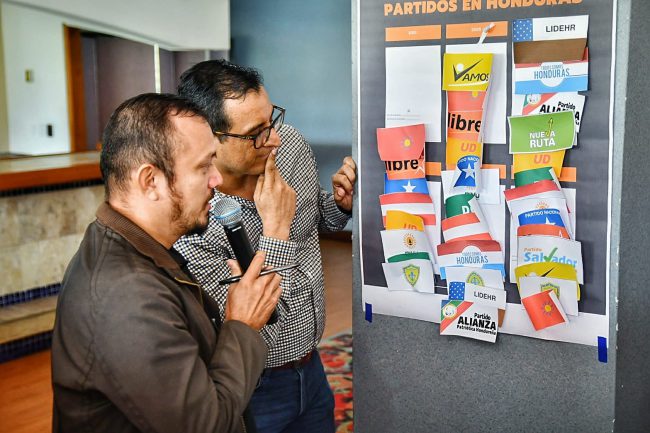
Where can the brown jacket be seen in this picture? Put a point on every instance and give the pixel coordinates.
(133, 348)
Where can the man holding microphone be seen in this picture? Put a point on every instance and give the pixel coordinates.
(137, 344)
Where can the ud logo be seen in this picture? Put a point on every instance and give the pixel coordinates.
(412, 273)
(541, 159)
(474, 278)
(409, 241)
(548, 286)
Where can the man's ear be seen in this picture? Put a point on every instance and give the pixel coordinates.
(149, 181)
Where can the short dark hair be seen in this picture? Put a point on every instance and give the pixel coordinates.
(140, 131)
(208, 84)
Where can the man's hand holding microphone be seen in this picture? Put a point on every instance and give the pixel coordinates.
(252, 300)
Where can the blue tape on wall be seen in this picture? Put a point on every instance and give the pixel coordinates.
(369, 312)
(602, 349)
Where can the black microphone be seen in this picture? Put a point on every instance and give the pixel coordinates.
(227, 213)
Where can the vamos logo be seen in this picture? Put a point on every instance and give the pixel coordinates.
(467, 72)
(462, 73)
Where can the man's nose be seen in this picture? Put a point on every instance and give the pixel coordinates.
(274, 139)
(215, 178)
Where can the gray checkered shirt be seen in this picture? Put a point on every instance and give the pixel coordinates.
(302, 304)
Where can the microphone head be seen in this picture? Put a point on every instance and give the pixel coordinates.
(227, 212)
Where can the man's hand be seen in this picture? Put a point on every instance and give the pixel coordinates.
(343, 184)
(253, 298)
(275, 201)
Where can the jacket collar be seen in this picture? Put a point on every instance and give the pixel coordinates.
(169, 260)
(138, 238)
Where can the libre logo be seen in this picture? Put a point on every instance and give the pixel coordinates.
(549, 286)
(458, 122)
(474, 278)
(407, 142)
(409, 241)
(463, 72)
(412, 274)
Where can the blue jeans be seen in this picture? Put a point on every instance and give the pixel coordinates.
(297, 400)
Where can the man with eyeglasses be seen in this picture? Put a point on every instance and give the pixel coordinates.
(270, 170)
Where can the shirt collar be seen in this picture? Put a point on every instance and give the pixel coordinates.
(218, 195)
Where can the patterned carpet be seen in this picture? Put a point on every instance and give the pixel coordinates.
(336, 353)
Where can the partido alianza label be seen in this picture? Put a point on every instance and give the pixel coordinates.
(478, 321)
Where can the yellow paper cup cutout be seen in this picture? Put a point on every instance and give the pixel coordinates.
(398, 220)
(548, 269)
(467, 72)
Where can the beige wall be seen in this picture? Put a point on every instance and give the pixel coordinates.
(39, 234)
(4, 133)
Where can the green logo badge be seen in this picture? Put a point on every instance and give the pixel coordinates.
(543, 132)
(474, 278)
(548, 286)
(412, 273)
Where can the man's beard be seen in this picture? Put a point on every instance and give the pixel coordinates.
(197, 229)
(185, 227)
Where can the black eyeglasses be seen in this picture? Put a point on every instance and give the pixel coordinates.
(260, 139)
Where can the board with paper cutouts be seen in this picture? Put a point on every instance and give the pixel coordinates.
(484, 166)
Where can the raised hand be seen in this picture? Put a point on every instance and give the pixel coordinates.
(343, 184)
(275, 201)
(253, 298)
